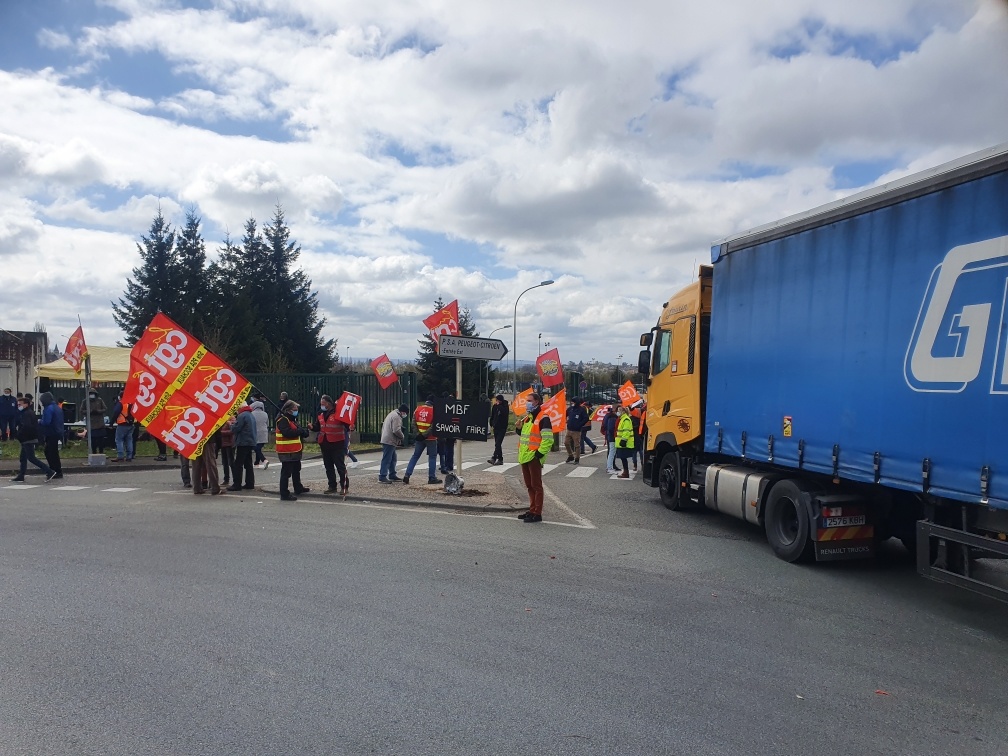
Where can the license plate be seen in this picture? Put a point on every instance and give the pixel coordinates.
(843, 522)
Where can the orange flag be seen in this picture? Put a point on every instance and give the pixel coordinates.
(556, 408)
(518, 405)
(628, 394)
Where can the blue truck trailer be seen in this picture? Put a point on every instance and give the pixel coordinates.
(841, 376)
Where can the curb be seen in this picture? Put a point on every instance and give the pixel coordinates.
(319, 498)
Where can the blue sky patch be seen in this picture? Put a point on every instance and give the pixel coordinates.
(812, 34)
(451, 252)
(855, 174)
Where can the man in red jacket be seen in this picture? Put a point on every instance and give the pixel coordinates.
(425, 439)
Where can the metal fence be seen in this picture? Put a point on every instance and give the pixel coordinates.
(305, 389)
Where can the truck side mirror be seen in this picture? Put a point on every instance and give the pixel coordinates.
(644, 361)
(646, 339)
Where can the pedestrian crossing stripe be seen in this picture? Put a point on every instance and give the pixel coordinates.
(550, 468)
(502, 468)
(119, 490)
(467, 465)
(22, 486)
(581, 472)
(71, 488)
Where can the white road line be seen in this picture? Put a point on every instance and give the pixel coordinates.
(582, 522)
(71, 488)
(467, 465)
(313, 463)
(581, 472)
(22, 486)
(119, 490)
(502, 468)
(550, 468)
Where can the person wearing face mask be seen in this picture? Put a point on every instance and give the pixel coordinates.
(8, 415)
(609, 434)
(625, 439)
(332, 438)
(96, 422)
(391, 438)
(28, 435)
(535, 439)
(289, 443)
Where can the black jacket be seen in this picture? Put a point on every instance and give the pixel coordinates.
(27, 427)
(500, 418)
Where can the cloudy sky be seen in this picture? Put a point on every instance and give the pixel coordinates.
(465, 149)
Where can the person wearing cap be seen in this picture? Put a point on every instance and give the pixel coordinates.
(423, 418)
(535, 439)
(392, 437)
(332, 437)
(289, 443)
(500, 418)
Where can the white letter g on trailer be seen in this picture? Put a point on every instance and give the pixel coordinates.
(950, 338)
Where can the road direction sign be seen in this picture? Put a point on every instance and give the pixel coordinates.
(471, 348)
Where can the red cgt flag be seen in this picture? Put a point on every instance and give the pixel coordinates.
(384, 371)
(444, 321)
(346, 408)
(548, 366)
(180, 390)
(76, 350)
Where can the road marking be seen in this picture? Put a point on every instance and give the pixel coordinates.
(581, 472)
(71, 488)
(582, 522)
(22, 486)
(467, 465)
(313, 463)
(502, 468)
(119, 490)
(550, 468)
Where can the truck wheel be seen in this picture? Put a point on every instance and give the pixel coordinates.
(669, 483)
(787, 522)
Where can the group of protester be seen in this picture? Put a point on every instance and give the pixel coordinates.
(30, 430)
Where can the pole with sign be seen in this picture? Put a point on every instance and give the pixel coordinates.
(467, 348)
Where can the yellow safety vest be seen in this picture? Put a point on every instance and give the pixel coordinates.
(531, 441)
(285, 445)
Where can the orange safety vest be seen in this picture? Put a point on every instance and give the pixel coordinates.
(286, 445)
(423, 416)
(125, 414)
(331, 430)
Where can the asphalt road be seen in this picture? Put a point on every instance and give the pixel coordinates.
(153, 621)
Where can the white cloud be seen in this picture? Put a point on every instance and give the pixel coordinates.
(550, 135)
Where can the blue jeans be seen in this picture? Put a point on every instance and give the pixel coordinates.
(586, 440)
(124, 441)
(418, 448)
(349, 454)
(388, 463)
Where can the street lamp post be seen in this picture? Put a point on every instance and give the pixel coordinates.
(514, 331)
(619, 364)
(487, 362)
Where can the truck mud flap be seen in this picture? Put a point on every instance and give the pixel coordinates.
(940, 536)
(833, 551)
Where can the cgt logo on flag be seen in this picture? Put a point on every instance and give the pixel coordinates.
(443, 322)
(548, 367)
(384, 372)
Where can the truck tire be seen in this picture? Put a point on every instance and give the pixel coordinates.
(787, 522)
(669, 481)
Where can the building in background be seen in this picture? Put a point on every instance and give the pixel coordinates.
(20, 352)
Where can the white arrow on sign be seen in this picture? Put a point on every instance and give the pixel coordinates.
(471, 348)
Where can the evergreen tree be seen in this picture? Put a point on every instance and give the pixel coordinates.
(436, 375)
(234, 318)
(191, 298)
(290, 305)
(153, 285)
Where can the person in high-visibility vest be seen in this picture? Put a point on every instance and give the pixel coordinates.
(332, 440)
(425, 440)
(625, 439)
(289, 444)
(535, 439)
